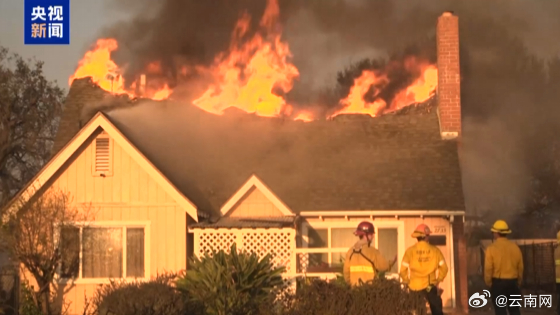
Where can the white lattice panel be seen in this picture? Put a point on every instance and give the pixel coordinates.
(208, 241)
(280, 243)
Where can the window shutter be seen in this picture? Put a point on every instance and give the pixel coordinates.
(102, 164)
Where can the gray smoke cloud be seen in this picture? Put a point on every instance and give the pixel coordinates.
(509, 103)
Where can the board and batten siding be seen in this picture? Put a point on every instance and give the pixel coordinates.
(410, 223)
(129, 194)
(255, 204)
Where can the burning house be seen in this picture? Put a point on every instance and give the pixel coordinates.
(271, 185)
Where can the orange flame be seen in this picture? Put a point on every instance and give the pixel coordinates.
(355, 103)
(419, 91)
(304, 116)
(264, 68)
(254, 75)
(98, 65)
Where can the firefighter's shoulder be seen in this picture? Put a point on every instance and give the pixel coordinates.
(370, 249)
(437, 251)
(434, 248)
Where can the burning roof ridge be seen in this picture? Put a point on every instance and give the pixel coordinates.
(108, 102)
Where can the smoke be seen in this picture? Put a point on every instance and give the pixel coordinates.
(177, 32)
(503, 42)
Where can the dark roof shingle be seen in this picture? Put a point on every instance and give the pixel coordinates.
(393, 162)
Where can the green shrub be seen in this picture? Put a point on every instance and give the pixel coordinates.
(27, 303)
(158, 296)
(231, 283)
(335, 298)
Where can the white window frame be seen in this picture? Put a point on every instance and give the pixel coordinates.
(398, 224)
(112, 224)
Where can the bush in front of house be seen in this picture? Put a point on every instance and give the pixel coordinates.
(231, 283)
(27, 305)
(335, 298)
(158, 296)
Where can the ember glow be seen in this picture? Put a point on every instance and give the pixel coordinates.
(419, 91)
(254, 75)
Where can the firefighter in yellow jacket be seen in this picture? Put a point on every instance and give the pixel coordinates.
(419, 266)
(363, 261)
(503, 268)
(557, 263)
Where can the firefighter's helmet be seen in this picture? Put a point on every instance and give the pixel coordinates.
(501, 227)
(421, 230)
(364, 228)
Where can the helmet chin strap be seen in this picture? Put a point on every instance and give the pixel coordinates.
(369, 240)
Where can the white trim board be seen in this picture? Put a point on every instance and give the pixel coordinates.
(398, 224)
(358, 213)
(254, 181)
(60, 159)
(146, 225)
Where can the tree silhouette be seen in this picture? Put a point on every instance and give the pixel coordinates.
(29, 107)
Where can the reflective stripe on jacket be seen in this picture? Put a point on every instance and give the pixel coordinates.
(422, 260)
(557, 262)
(503, 261)
(359, 265)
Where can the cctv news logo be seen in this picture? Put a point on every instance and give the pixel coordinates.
(478, 300)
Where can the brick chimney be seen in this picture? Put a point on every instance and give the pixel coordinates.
(82, 91)
(449, 76)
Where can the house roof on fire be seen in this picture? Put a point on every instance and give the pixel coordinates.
(393, 162)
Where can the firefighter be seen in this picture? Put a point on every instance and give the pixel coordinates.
(503, 268)
(557, 263)
(419, 266)
(363, 261)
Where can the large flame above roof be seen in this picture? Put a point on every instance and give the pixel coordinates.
(255, 74)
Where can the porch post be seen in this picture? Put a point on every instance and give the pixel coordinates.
(460, 256)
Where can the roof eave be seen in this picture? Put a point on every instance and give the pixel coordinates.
(338, 213)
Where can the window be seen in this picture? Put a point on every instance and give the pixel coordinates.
(337, 237)
(102, 164)
(388, 244)
(102, 252)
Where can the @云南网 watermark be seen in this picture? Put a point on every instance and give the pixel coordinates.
(479, 300)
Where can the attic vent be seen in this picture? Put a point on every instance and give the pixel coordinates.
(102, 164)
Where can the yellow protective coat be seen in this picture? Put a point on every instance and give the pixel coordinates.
(422, 260)
(357, 267)
(557, 262)
(503, 261)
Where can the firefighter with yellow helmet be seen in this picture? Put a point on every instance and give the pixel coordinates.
(419, 266)
(503, 268)
(363, 261)
(557, 263)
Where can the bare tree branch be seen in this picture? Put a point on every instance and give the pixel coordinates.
(33, 238)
